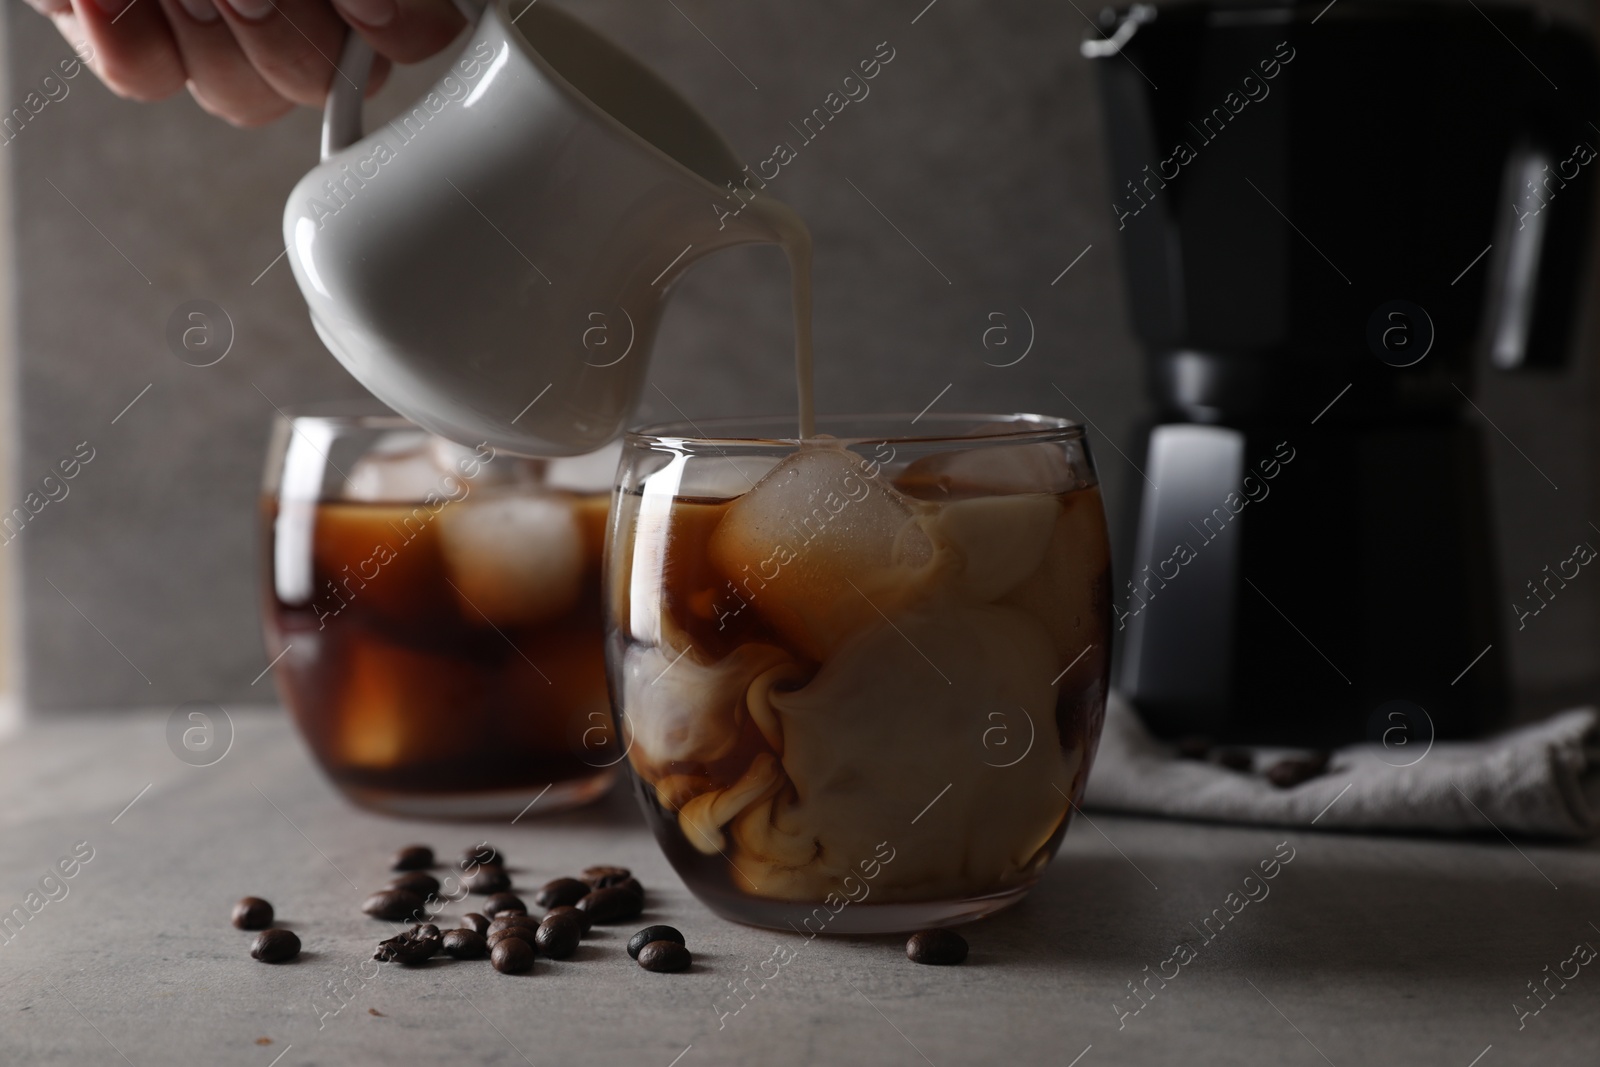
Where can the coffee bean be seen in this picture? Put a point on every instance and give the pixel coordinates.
(465, 944)
(1288, 773)
(275, 946)
(649, 934)
(561, 892)
(1236, 759)
(516, 933)
(1195, 746)
(513, 922)
(558, 937)
(938, 946)
(421, 883)
(582, 918)
(412, 948)
(1319, 760)
(613, 904)
(412, 858)
(481, 855)
(512, 956)
(487, 880)
(603, 876)
(423, 949)
(629, 884)
(392, 904)
(504, 903)
(664, 956)
(473, 921)
(252, 913)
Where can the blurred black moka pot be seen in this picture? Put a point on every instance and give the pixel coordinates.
(1330, 215)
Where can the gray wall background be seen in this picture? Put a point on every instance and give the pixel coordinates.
(980, 141)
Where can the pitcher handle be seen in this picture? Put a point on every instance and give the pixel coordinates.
(341, 115)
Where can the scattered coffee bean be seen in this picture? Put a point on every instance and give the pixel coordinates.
(516, 933)
(392, 904)
(252, 913)
(1319, 760)
(1237, 759)
(412, 858)
(486, 880)
(938, 946)
(412, 948)
(421, 883)
(465, 944)
(475, 922)
(512, 956)
(582, 918)
(504, 903)
(483, 855)
(603, 876)
(664, 956)
(1195, 746)
(558, 937)
(513, 922)
(1288, 773)
(649, 934)
(614, 904)
(561, 892)
(275, 946)
(629, 884)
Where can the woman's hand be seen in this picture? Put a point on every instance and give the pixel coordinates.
(247, 61)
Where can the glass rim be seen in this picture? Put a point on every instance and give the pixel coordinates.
(1010, 429)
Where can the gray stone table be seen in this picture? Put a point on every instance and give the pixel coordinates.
(1365, 950)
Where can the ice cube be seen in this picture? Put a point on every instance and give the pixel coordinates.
(1035, 468)
(392, 701)
(1000, 539)
(395, 475)
(480, 466)
(406, 467)
(819, 547)
(514, 559)
(1070, 591)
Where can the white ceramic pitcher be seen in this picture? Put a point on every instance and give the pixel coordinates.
(492, 264)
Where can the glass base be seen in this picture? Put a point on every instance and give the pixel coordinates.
(809, 919)
(512, 804)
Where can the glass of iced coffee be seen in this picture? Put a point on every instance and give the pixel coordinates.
(859, 679)
(433, 615)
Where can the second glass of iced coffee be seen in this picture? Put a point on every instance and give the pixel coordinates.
(433, 616)
(860, 678)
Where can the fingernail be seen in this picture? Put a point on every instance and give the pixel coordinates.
(375, 13)
(255, 10)
(201, 10)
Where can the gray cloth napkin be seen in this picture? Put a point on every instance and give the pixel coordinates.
(1540, 780)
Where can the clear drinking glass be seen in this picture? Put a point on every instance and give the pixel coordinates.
(434, 615)
(859, 681)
